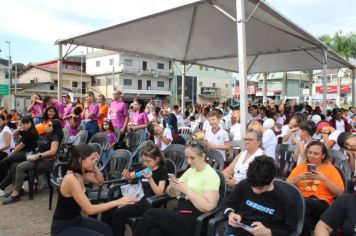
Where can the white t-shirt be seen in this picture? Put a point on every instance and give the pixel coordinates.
(206, 125)
(235, 129)
(333, 136)
(285, 130)
(168, 134)
(269, 142)
(6, 129)
(340, 125)
(240, 169)
(219, 138)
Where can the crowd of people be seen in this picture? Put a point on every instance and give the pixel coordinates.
(256, 204)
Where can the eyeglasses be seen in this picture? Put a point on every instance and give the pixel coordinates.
(249, 139)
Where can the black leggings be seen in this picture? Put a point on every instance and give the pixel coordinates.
(157, 222)
(6, 163)
(80, 226)
(116, 217)
(314, 207)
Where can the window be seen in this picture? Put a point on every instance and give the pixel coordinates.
(111, 62)
(127, 82)
(226, 85)
(160, 66)
(200, 83)
(97, 63)
(51, 87)
(128, 62)
(55, 81)
(214, 85)
(74, 84)
(160, 84)
(98, 82)
(200, 67)
(170, 65)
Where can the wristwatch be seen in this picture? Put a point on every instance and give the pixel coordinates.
(39, 156)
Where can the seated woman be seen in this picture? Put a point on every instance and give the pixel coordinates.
(237, 169)
(26, 145)
(153, 184)
(197, 191)
(43, 160)
(340, 215)
(319, 182)
(6, 138)
(67, 218)
(49, 114)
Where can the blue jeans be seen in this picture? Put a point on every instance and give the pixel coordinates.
(92, 128)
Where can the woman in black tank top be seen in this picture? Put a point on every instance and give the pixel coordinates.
(67, 218)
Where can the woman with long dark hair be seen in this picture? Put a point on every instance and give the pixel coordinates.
(26, 146)
(67, 218)
(49, 114)
(42, 160)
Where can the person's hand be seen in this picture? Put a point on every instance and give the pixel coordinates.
(147, 176)
(86, 105)
(122, 130)
(233, 218)
(133, 128)
(178, 186)
(32, 157)
(293, 130)
(231, 182)
(259, 229)
(128, 200)
(126, 174)
(317, 175)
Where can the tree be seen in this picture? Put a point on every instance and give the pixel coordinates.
(344, 44)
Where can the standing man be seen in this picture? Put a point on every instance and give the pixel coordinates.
(103, 109)
(118, 113)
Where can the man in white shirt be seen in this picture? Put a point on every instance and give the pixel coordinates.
(216, 137)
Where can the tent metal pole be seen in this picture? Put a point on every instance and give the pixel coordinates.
(183, 86)
(241, 46)
(338, 89)
(59, 72)
(325, 71)
(264, 88)
(353, 88)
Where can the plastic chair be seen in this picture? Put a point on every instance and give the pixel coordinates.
(175, 152)
(100, 138)
(215, 159)
(133, 141)
(184, 130)
(81, 137)
(136, 156)
(338, 159)
(297, 199)
(59, 170)
(284, 159)
(98, 148)
(187, 137)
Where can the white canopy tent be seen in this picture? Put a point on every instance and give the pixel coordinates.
(224, 34)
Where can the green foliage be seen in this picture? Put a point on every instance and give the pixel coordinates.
(344, 44)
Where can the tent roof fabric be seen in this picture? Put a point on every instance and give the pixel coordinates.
(204, 33)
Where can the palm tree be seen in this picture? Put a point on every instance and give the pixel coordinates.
(344, 44)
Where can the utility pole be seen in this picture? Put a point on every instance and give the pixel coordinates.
(9, 71)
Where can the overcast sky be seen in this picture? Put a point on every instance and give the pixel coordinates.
(33, 26)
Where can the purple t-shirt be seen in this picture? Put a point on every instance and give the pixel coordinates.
(118, 113)
(60, 107)
(73, 129)
(93, 109)
(111, 136)
(139, 118)
(68, 109)
(38, 109)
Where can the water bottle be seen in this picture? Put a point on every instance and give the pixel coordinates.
(144, 171)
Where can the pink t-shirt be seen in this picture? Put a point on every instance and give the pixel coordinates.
(68, 109)
(59, 107)
(111, 136)
(38, 109)
(73, 129)
(118, 113)
(139, 118)
(93, 109)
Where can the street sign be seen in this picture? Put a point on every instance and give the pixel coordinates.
(4, 89)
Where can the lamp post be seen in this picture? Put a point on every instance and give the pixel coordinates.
(9, 71)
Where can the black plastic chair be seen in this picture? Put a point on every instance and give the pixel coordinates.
(215, 159)
(59, 171)
(81, 137)
(284, 159)
(340, 160)
(133, 141)
(136, 156)
(297, 198)
(98, 148)
(187, 137)
(100, 138)
(175, 153)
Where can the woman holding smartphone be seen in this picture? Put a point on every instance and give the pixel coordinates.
(319, 182)
(197, 191)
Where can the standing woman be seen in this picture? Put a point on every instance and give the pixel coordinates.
(26, 145)
(139, 119)
(36, 108)
(90, 114)
(6, 138)
(43, 160)
(67, 218)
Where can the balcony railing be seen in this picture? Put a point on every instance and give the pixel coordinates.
(138, 91)
(150, 72)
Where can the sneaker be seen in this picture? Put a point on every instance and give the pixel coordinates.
(11, 199)
(2, 193)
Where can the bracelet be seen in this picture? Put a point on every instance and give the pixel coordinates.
(228, 211)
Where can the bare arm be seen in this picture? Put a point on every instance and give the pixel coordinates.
(157, 189)
(322, 229)
(7, 141)
(225, 146)
(94, 177)
(229, 171)
(18, 147)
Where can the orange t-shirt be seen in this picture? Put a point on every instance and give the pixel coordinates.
(40, 127)
(103, 110)
(315, 187)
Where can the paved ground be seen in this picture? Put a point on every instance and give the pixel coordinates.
(27, 217)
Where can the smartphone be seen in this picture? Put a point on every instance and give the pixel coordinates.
(244, 226)
(172, 176)
(311, 167)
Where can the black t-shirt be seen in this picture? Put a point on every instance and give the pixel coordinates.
(44, 142)
(30, 140)
(272, 208)
(342, 214)
(158, 175)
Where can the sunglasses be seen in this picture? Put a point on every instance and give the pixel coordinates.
(49, 125)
